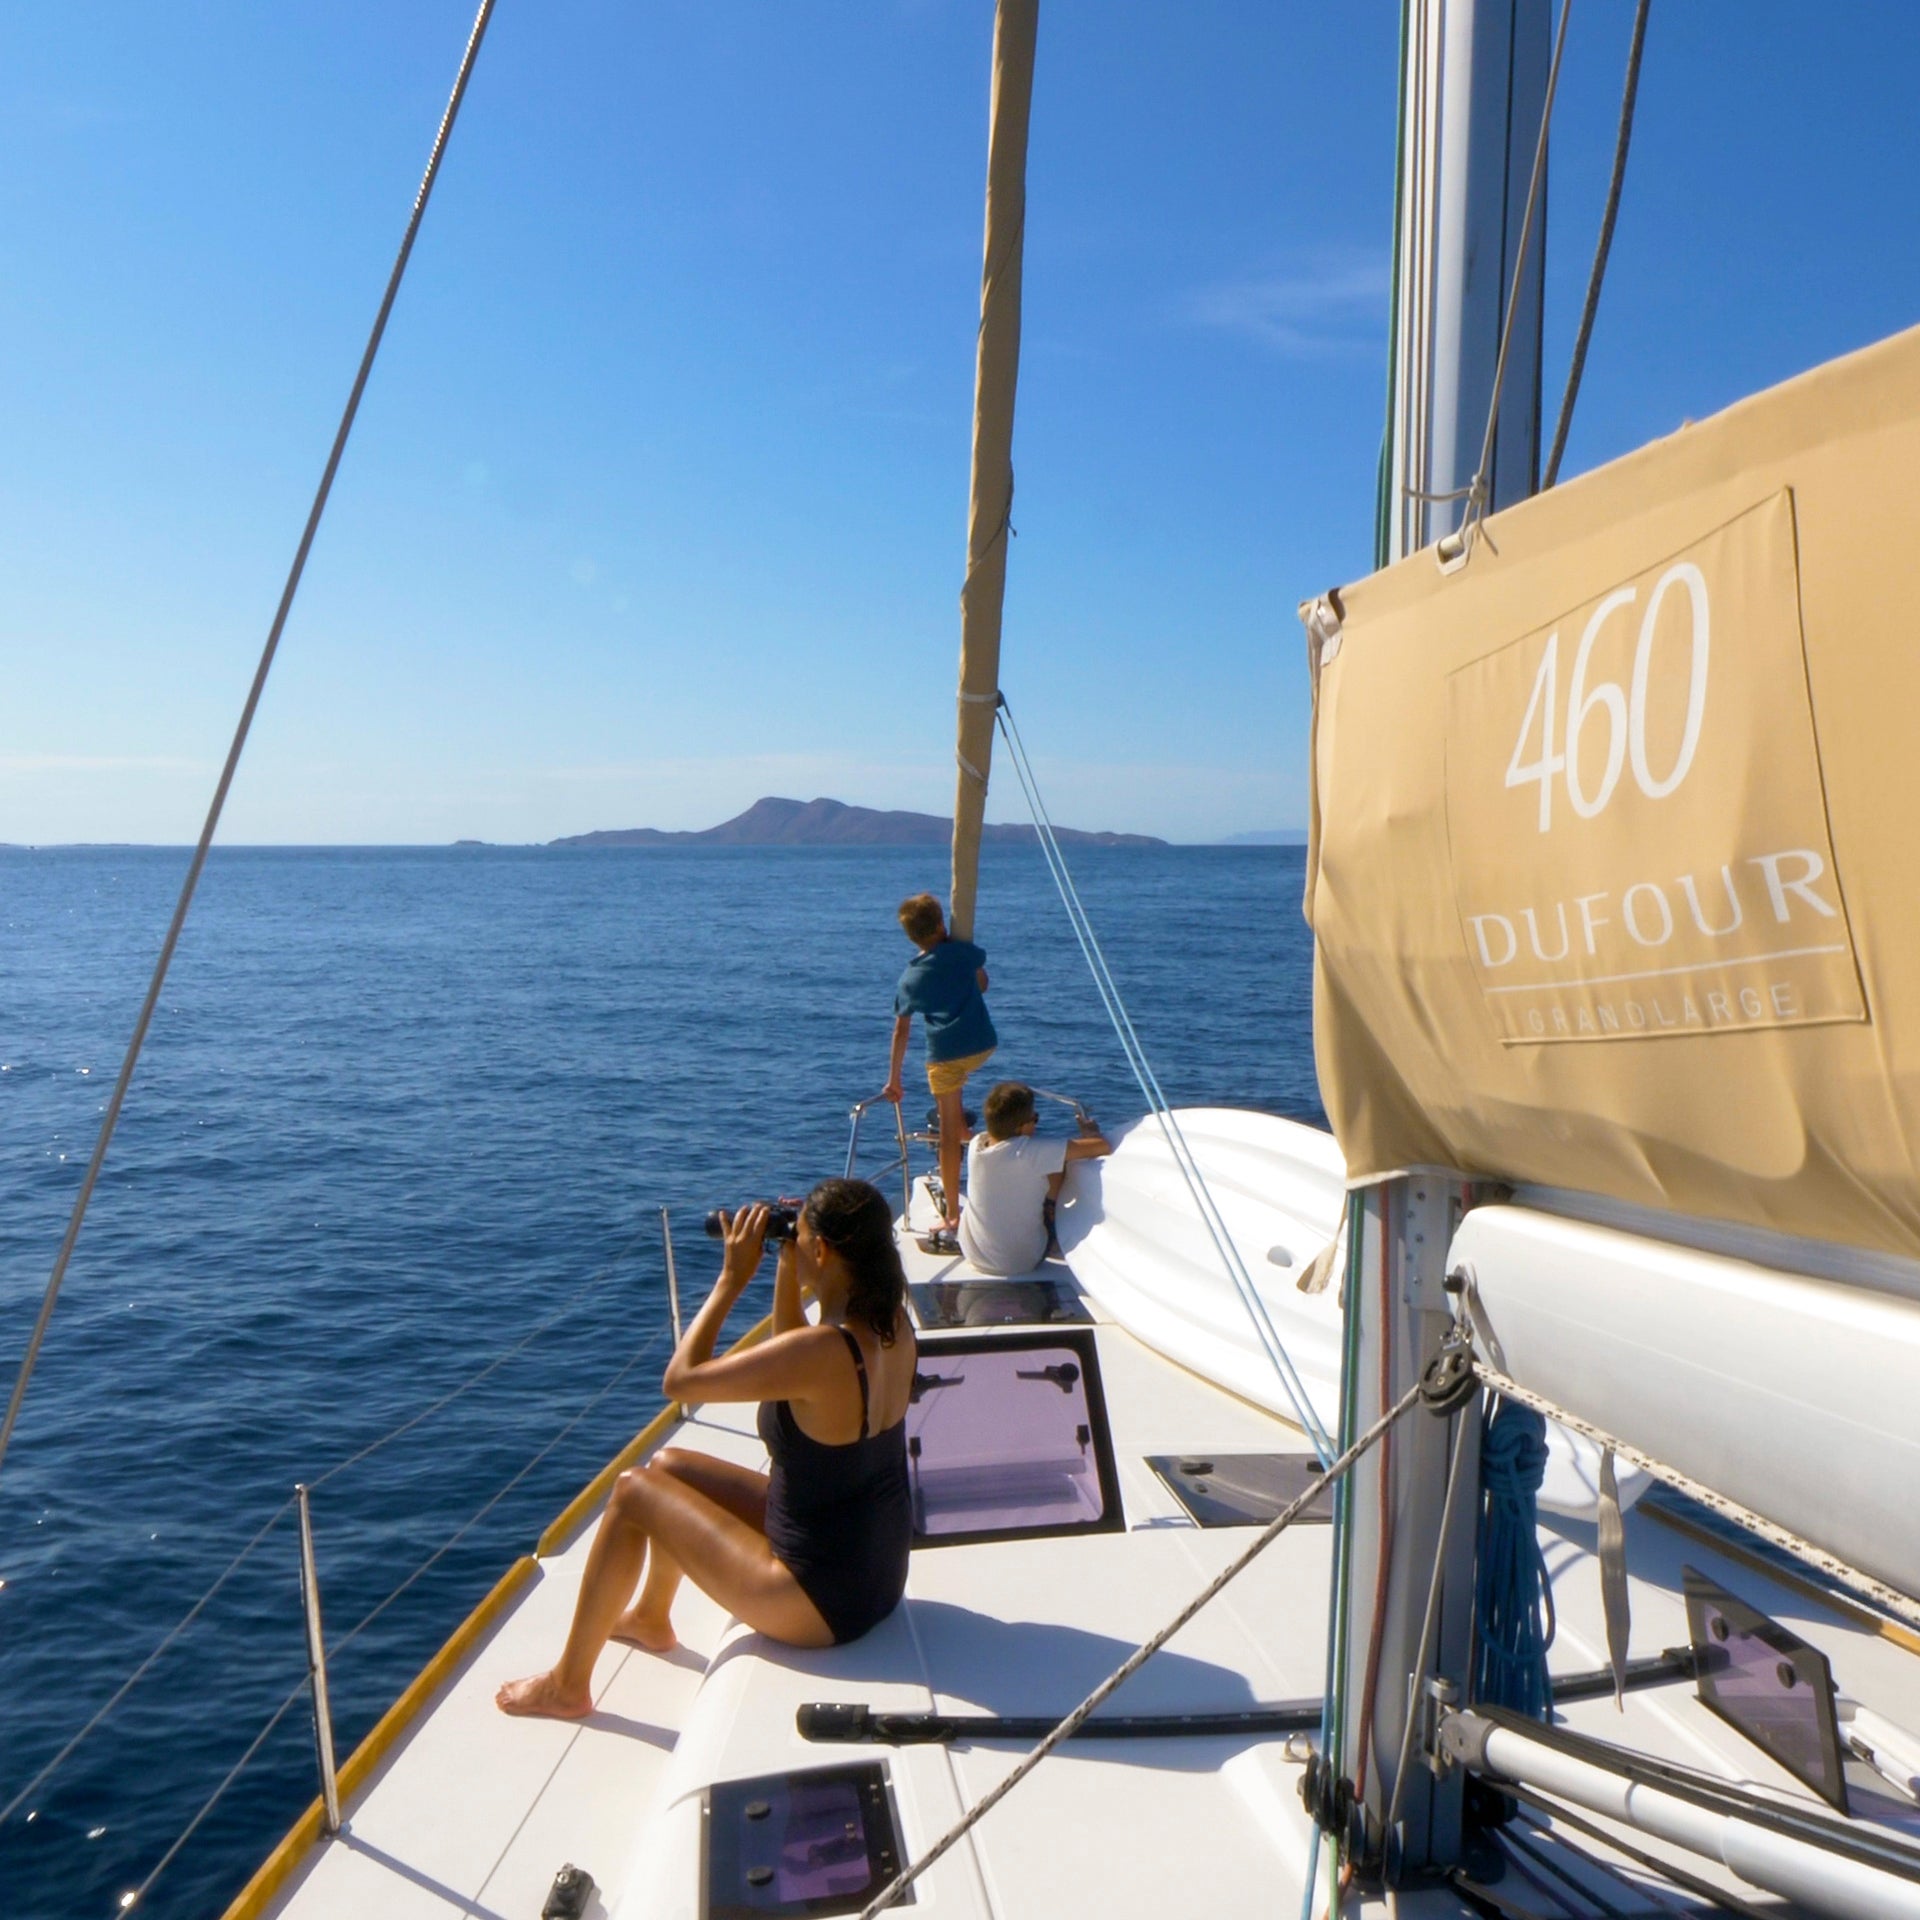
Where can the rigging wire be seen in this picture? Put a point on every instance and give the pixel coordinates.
(367, 1620)
(133, 1899)
(1335, 1471)
(1483, 474)
(454, 1539)
(140, 1672)
(493, 1366)
(111, 1119)
(279, 1513)
(1599, 272)
(1151, 1092)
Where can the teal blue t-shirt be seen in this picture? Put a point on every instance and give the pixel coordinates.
(942, 988)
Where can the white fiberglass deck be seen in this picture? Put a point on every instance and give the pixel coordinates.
(472, 1813)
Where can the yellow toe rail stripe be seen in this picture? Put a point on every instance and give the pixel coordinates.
(258, 1895)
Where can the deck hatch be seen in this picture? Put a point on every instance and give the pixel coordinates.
(1007, 1438)
(939, 1304)
(1240, 1489)
(1768, 1683)
(822, 1841)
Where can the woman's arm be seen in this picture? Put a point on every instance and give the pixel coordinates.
(793, 1365)
(789, 1295)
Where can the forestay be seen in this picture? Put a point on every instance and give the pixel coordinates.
(1611, 876)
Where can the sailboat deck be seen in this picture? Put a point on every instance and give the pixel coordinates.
(473, 1813)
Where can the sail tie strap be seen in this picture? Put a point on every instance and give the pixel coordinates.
(1134, 1661)
(1157, 1102)
(111, 1119)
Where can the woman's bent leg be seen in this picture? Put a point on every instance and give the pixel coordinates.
(725, 1556)
(648, 1623)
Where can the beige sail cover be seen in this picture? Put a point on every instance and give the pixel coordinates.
(1615, 875)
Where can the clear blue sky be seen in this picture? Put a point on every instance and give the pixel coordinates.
(657, 502)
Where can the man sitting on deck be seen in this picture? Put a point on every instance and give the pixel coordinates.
(1012, 1181)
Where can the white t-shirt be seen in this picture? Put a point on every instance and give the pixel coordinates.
(1001, 1231)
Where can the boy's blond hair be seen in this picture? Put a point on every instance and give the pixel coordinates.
(920, 915)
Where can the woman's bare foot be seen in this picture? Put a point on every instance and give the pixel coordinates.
(541, 1696)
(634, 1629)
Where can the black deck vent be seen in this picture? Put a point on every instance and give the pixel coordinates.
(1241, 1489)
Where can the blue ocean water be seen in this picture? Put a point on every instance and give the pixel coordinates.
(398, 1108)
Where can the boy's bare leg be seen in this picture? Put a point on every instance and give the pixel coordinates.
(953, 1143)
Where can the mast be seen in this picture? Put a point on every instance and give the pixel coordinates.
(1472, 91)
(990, 508)
(1474, 88)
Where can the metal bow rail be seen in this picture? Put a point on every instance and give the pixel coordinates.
(856, 1115)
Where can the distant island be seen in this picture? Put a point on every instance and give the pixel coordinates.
(774, 822)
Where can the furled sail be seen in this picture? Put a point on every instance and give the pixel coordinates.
(1613, 870)
(990, 510)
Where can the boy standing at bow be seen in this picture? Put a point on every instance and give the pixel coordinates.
(944, 984)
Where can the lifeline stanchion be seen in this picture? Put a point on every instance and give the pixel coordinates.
(317, 1665)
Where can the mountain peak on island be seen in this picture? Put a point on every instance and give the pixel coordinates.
(775, 822)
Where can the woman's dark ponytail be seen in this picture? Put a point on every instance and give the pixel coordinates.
(854, 1219)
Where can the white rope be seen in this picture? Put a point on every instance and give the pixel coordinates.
(1139, 1658)
(1889, 1599)
(1156, 1099)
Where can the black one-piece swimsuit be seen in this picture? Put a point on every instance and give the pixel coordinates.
(840, 1519)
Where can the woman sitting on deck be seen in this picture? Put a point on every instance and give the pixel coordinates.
(813, 1553)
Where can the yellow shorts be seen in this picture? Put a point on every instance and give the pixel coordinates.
(949, 1076)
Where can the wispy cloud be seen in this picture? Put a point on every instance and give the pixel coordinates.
(99, 763)
(1334, 307)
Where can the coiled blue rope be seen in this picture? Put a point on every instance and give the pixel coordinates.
(1513, 1602)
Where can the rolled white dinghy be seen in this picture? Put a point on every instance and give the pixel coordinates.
(1139, 1244)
